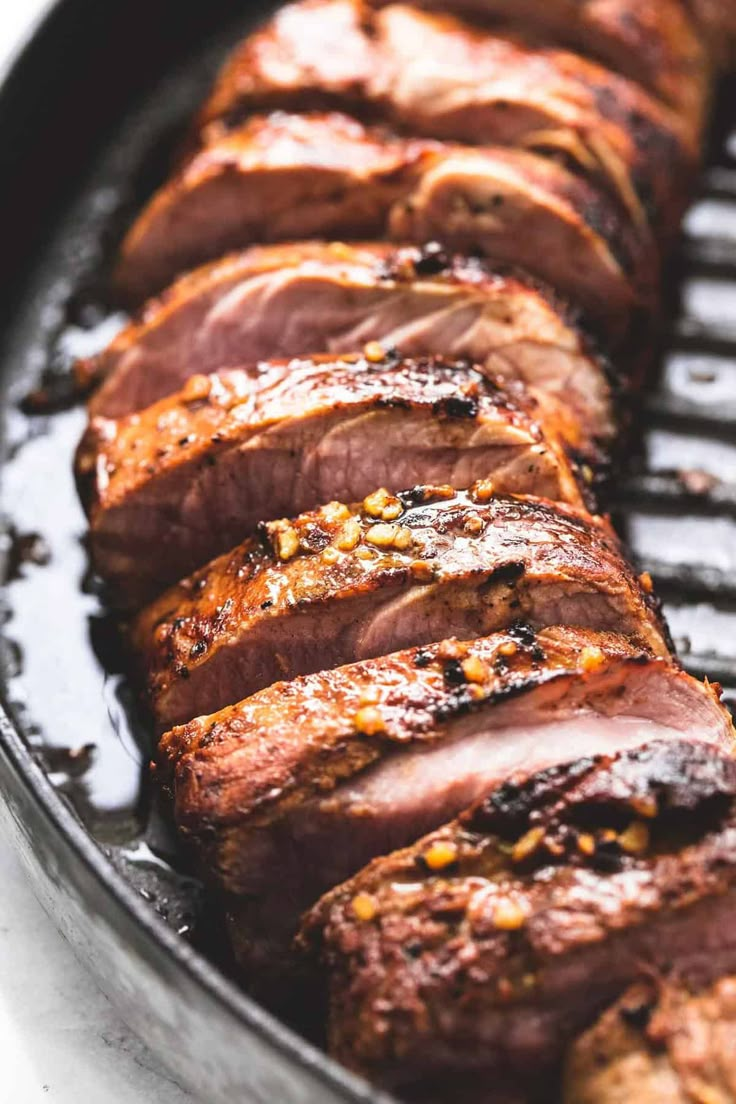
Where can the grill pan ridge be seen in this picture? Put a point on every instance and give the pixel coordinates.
(87, 847)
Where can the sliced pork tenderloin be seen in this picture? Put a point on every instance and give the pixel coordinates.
(661, 1043)
(170, 488)
(489, 945)
(315, 777)
(434, 75)
(717, 22)
(285, 176)
(283, 301)
(656, 43)
(349, 583)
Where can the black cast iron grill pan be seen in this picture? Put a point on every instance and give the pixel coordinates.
(89, 117)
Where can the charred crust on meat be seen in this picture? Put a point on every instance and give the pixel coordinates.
(637, 1014)
(432, 260)
(456, 406)
(601, 811)
(508, 573)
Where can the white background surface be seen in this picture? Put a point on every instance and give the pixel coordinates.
(60, 1039)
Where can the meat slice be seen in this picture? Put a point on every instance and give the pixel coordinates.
(286, 176)
(313, 778)
(659, 1044)
(437, 76)
(654, 42)
(348, 583)
(282, 301)
(717, 22)
(489, 945)
(171, 488)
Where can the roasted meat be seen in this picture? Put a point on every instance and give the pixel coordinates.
(436, 76)
(659, 1044)
(283, 301)
(654, 42)
(490, 944)
(169, 489)
(315, 777)
(348, 583)
(717, 22)
(286, 176)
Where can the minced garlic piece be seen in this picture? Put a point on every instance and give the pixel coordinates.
(287, 543)
(196, 388)
(645, 806)
(592, 658)
(369, 721)
(634, 839)
(383, 505)
(508, 916)
(482, 490)
(368, 696)
(646, 582)
(473, 525)
(474, 669)
(331, 555)
(382, 536)
(373, 352)
(508, 648)
(586, 844)
(422, 571)
(364, 907)
(389, 536)
(527, 845)
(349, 535)
(403, 538)
(440, 855)
(335, 511)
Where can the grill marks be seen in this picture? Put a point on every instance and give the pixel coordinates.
(174, 486)
(338, 585)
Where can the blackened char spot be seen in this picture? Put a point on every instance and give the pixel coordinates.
(508, 573)
(432, 260)
(637, 1015)
(525, 637)
(453, 673)
(506, 812)
(456, 406)
(458, 702)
